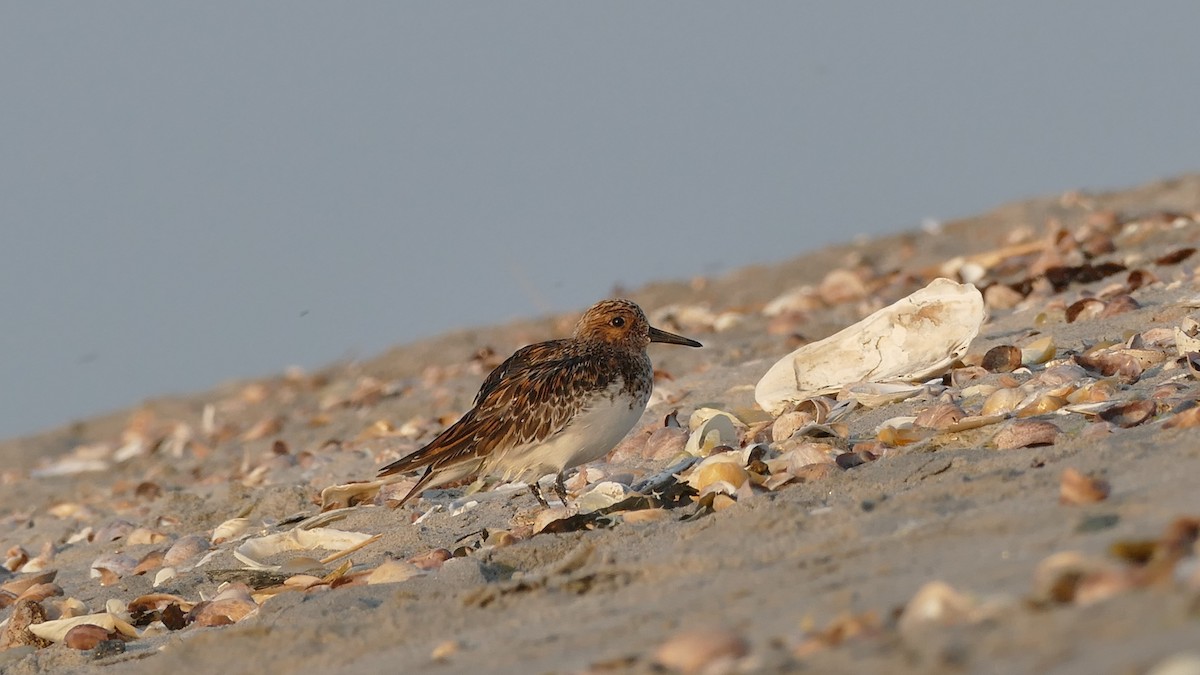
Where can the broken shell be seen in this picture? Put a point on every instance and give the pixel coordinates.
(602, 495)
(901, 431)
(1085, 310)
(1119, 304)
(1192, 361)
(256, 549)
(701, 650)
(1110, 364)
(1187, 336)
(222, 612)
(787, 424)
(849, 460)
(393, 571)
(716, 428)
(432, 559)
(940, 416)
(1002, 401)
(17, 586)
(302, 581)
(69, 607)
(56, 630)
(39, 592)
(793, 455)
(86, 636)
(1095, 392)
(150, 561)
(116, 563)
(875, 394)
(960, 377)
(1002, 359)
(231, 529)
(349, 494)
(1076, 488)
(1025, 434)
(1042, 405)
(151, 602)
(815, 472)
(164, 575)
(185, 549)
(726, 467)
(665, 443)
(1059, 375)
(1184, 420)
(1129, 413)
(1039, 351)
(916, 337)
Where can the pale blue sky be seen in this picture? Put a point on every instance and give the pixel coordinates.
(195, 192)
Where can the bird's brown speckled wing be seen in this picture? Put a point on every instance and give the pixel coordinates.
(528, 398)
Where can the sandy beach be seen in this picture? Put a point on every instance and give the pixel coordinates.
(1058, 535)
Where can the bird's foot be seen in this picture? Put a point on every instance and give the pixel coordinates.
(560, 489)
(537, 494)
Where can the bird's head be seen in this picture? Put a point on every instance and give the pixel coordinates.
(621, 322)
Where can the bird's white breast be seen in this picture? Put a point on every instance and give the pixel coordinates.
(595, 430)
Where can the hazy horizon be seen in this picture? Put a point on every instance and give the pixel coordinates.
(198, 193)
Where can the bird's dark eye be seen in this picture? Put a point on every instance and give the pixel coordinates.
(617, 321)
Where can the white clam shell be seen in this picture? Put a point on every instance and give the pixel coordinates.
(913, 338)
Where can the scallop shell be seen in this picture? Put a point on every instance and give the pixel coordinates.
(915, 337)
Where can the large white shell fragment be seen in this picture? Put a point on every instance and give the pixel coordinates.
(254, 550)
(911, 339)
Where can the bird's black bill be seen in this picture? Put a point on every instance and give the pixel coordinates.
(657, 335)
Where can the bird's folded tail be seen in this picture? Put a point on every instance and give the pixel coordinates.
(416, 489)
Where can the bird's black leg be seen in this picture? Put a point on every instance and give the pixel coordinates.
(537, 494)
(560, 489)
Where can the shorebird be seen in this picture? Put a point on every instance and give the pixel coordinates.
(550, 406)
